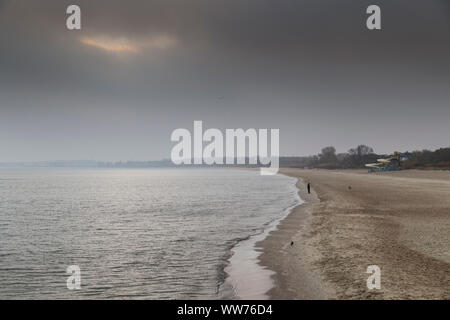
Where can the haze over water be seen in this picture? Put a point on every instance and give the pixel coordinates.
(135, 233)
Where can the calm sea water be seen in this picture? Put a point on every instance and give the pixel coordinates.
(150, 233)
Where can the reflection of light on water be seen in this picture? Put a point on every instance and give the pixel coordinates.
(248, 279)
(134, 233)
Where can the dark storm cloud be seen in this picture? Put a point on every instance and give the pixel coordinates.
(139, 69)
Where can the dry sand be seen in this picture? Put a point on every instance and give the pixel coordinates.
(399, 221)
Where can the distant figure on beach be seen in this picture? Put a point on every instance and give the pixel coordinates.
(309, 187)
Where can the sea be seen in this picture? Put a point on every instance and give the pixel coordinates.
(136, 233)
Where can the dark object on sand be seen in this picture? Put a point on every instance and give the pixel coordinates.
(309, 187)
(349, 187)
(292, 243)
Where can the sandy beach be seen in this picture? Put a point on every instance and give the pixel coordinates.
(399, 221)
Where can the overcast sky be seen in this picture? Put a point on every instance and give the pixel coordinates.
(137, 70)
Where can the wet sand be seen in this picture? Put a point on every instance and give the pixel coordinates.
(399, 221)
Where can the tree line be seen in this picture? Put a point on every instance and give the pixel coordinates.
(361, 155)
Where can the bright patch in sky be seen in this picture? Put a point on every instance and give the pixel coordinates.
(124, 45)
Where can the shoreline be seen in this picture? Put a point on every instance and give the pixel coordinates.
(246, 254)
(292, 271)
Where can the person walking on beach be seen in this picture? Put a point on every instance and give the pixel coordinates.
(309, 187)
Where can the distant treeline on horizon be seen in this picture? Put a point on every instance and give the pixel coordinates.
(328, 159)
(361, 155)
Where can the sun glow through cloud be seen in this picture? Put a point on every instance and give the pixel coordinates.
(110, 45)
(124, 45)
